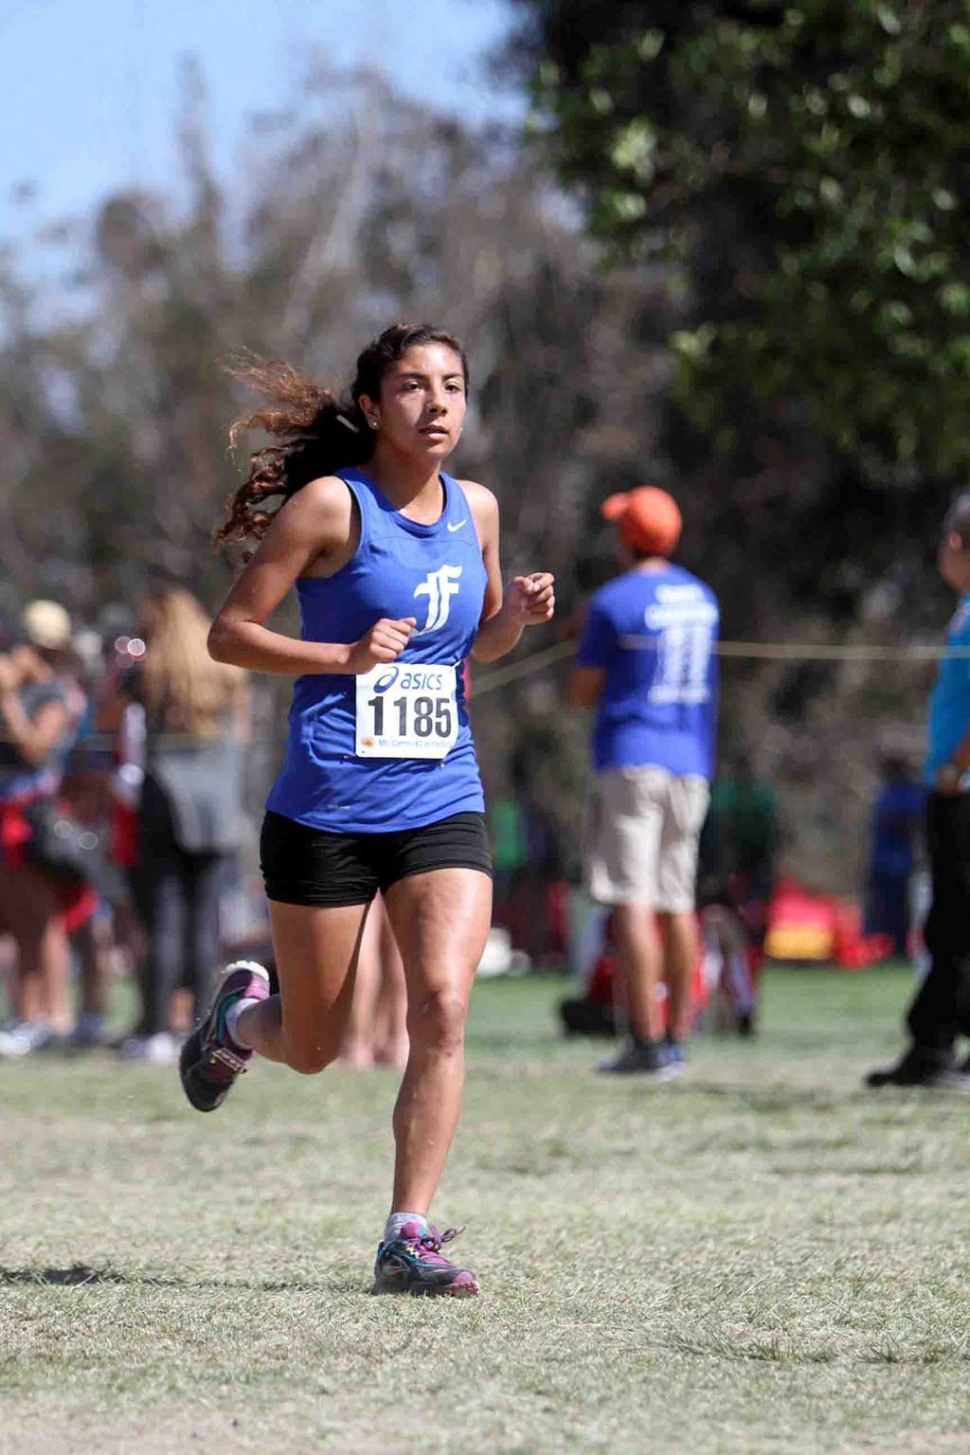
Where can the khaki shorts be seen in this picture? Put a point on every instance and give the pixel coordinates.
(644, 825)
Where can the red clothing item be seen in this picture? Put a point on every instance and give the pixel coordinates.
(77, 901)
(124, 835)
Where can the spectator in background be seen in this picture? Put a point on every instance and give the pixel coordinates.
(646, 663)
(897, 822)
(510, 850)
(742, 833)
(39, 710)
(87, 791)
(525, 847)
(940, 1011)
(189, 819)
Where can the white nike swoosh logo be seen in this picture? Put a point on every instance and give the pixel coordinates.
(463, 521)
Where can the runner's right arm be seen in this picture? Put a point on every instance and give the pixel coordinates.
(317, 522)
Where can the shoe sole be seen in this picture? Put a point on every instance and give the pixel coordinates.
(464, 1290)
(942, 1081)
(189, 1058)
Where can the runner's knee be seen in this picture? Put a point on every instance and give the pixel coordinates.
(310, 1057)
(438, 1020)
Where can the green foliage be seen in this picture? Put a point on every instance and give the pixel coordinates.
(808, 163)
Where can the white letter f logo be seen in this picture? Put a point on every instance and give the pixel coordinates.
(439, 588)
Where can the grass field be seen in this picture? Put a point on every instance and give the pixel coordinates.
(761, 1257)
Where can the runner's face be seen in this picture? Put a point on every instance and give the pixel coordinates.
(421, 409)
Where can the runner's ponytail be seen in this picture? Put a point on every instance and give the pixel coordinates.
(318, 434)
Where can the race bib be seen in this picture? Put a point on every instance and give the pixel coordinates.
(406, 712)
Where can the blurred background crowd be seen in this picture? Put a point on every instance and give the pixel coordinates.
(128, 830)
(720, 247)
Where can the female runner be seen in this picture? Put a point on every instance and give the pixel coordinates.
(396, 566)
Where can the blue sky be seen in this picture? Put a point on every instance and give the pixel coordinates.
(90, 86)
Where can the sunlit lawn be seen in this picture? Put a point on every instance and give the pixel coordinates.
(762, 1257)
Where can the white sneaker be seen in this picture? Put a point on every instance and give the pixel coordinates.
(19, 1038)
(160, 1049)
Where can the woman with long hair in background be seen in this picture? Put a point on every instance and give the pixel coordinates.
(396, 568)
(189, 820)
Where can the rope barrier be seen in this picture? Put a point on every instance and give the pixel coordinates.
(528, 665)
(739, 651)
(822, 652)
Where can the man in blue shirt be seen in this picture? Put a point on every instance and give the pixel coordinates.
(646, 663)
(895, 833)
(940, 1012)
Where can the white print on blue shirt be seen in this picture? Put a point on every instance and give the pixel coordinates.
(439, 587)
(682, 622)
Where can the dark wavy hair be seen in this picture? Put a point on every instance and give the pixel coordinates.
(318, 431)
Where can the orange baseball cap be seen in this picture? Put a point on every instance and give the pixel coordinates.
(649, 519)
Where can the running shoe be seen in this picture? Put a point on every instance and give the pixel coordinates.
(210, 1060)
(640, 1058)
(412, 1263)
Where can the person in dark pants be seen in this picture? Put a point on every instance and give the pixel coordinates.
(177, 895)
(940, 1011)
(189, 819)
(898, 818)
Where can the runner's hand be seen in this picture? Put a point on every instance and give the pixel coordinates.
(384, 642)
(531, 600)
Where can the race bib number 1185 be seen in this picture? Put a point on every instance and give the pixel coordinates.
(406, 712)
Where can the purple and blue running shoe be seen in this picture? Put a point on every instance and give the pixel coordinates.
(210, 1061)
(412, 1263)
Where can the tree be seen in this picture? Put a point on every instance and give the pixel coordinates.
(793, 179)
(804, 167)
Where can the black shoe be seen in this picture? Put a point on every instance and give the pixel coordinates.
(583, 1017)
(641, 1058)
(917, 1068)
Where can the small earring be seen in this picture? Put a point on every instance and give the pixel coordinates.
(372, 423)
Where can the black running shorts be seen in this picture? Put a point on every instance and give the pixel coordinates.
(303, 865)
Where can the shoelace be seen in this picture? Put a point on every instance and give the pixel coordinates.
(432, 1241)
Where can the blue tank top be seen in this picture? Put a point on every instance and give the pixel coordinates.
(400, 568)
